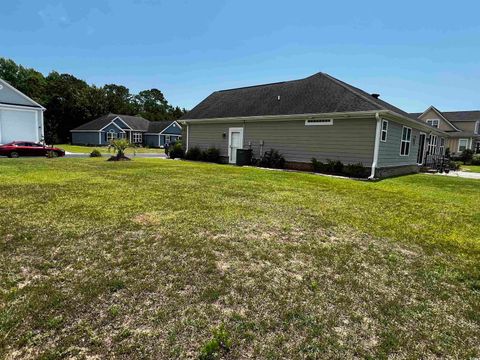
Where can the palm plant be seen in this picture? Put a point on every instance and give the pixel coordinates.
(119, 146)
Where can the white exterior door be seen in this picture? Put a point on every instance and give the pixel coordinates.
(18, 125)
(235, 141)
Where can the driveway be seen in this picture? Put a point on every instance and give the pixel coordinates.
(462, 174)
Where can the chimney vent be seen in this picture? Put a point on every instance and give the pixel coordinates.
(376, 96)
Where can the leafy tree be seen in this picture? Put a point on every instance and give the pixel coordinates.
(71, 102)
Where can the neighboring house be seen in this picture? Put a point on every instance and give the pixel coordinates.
(21, 118)
(463, 127)
(136, 129)
(318, 116)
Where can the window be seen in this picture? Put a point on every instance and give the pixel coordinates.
(477, 127)
(319, 122)
(122, 135)
(441, 149)
(405, 143)
(111, 135)
(137, 138)
(432, 144)
(383, 136)
(462, 144)
(168, 138)
(433, 122)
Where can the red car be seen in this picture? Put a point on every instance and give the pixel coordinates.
(27, 148)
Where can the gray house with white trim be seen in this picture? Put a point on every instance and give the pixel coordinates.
(21, 118)
(136, 129)
(317, 117)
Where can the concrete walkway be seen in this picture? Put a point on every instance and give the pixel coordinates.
(138, 155)
(462, 174)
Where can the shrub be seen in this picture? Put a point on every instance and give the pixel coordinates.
(175, 151)
(119, 146)
(194, 154)
(476, 159)
(95, 153)
(212, 154)
(272, 159)
(467, 156)
(334, 166)
(454, 165)
(51, 154)
(319, 166)
(355, 170)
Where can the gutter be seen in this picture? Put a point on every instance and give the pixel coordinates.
(376, 146)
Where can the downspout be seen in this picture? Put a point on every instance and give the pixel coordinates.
(376, 146)
(186, 147)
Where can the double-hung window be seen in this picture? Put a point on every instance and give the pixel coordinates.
(111, 135)
(441, 148)
(433, 122)
(405, 142)
(384, 133)
(477, 127)
(462, 144)
(432, 145)
(137, 138)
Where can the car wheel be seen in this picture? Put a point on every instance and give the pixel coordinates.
(14, 154)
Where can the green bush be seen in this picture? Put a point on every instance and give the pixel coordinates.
(194, 154)
(355, 170)
(476, 159)
(271, 159)
(175, 151)
(95, 153)
(454, 165)
(467, 156)
(212, 154)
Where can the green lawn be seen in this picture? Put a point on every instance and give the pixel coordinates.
(472, 168)
(169, 259)
(104, 149)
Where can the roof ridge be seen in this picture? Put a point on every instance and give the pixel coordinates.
(352, 90)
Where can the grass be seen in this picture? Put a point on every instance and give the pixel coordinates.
(104, 149)
(471, 168)
(170, 259)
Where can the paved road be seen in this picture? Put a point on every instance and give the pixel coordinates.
(138, 155)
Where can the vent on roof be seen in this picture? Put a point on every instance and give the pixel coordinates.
(376, 96)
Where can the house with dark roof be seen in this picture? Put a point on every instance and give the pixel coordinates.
(136, 129)
(317, 117)
(21, 118)
(463, 127)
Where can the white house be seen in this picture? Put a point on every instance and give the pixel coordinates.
(21, 118)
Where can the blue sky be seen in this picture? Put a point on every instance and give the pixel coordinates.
(414, 53)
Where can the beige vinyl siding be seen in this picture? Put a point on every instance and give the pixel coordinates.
(442, 125)
(389, 151)
(350, 141)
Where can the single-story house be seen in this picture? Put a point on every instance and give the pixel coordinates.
(317, 117)
(463, 127)
(136, 129)
(21, 118)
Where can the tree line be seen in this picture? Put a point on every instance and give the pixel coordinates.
(71, 102)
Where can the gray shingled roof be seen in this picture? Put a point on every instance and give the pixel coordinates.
(158, 126)
(319, 93)
(135, 122)
(471, 115)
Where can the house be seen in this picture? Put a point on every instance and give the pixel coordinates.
(21, 118)
(463, 127)
(136, 129)
(317, 117)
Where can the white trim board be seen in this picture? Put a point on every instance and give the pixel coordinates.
(21, 94)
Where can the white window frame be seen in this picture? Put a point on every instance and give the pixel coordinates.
(137, 138)
(168, 139)
(317, 122)
(460, 141)
(441, 147)
(111, 135)
(432, 144)
(431, 122)
(384, 131)
(477, 127)
(407, 141)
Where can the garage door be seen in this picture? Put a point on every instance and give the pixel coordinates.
(18, 125)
